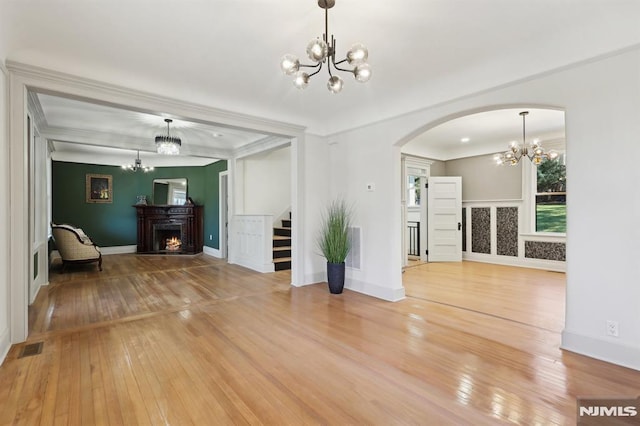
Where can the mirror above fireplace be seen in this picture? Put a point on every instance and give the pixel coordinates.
(170, 191)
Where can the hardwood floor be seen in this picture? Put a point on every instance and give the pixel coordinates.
(174, 340)
(528, 296)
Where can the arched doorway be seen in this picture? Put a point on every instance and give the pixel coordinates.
(509, 217)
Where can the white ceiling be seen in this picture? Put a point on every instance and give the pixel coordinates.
(225, 53)
(114, 130)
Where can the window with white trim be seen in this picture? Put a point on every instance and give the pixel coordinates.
(551, 195)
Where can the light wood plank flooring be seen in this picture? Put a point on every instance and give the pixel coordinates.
(173, 340)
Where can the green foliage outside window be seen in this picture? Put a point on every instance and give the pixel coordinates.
(551, 197)
(552, 176)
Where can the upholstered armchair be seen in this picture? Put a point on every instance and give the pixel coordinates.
(75, 246)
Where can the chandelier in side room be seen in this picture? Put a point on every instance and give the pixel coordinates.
(167, 144)
(321, 51)
(533, 151)
(137, 165)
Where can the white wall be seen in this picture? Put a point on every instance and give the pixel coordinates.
(602, 103)
(267, 182)
(314, 191)
(4, 32)
(4, 218)
(360, 158)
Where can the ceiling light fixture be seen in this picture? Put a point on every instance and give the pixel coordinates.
(321, 51)
(168, 145)
(137, 165)
(533, 151)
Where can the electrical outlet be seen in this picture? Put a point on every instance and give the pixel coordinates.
(612, 328)
(210, 237)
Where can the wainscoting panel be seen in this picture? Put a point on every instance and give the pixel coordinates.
(491, 233)
(481, 230)
(545, 250)
(251, 242)
(507, 231)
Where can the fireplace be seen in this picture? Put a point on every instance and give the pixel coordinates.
(170, 229)
(167, 237)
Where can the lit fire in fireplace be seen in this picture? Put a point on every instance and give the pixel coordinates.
(173, 244)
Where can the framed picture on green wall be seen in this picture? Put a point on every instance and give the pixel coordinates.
(99, 188)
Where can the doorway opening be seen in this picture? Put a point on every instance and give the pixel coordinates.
(501, 208)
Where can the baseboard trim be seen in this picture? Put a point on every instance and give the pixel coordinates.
(210, 251)
(548, 265)
(118, 249)
(602, 349)
(5, 344)
(34, 296)
(255, 266)
(374, 290)
(315, 278)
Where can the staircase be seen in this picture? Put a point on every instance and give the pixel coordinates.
(282, 245)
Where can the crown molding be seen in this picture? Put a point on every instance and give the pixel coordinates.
(265, 144)
(35, 108)
(129, 143)
(134, 99)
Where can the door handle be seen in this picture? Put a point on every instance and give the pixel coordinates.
(459, 226)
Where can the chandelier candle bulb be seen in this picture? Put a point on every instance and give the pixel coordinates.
(302, 80)
(290, 64)
(320, 51)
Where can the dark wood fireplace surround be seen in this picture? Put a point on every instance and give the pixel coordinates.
(188, 219)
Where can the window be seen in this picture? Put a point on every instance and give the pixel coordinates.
(551, 196)
(179, 197)
(413, 188)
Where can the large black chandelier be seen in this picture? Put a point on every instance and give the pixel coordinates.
(167, 144)
(321, 51)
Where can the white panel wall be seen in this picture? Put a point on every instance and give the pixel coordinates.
(267, 182)
(39, 216)
(4, 218)
(602, 103)
(250, 244)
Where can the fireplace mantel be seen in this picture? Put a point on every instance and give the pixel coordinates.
(187, 220)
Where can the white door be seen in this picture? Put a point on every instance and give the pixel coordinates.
(444, 206)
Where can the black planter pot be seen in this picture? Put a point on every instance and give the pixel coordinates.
(335, 277)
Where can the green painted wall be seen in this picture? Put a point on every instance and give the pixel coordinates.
(212, 204)
(114, 224)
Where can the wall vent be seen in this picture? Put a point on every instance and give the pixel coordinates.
(354, 257)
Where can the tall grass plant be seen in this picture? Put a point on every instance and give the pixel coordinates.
(333, 237)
